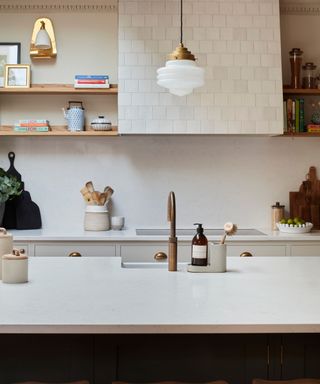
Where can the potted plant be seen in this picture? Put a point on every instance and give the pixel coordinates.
(9, 188)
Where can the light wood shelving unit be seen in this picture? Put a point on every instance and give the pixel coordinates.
(58, 89)
(301, 91)
(6, 130)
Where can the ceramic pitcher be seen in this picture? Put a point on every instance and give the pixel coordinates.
(74, 116)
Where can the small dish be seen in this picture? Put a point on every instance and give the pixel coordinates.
(289, 228)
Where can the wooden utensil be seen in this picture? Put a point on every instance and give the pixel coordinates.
(102, 198)
(90, 187)
(95, 197)
(109, 192)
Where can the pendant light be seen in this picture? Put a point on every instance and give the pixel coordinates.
(181, 73)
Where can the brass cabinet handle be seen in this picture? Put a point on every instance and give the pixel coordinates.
(160, 256)
(246, 254)
(75, 254)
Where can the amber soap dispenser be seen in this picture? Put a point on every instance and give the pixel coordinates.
(199, 252)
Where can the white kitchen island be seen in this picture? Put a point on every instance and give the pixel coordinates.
(89, 318)
(97, 295)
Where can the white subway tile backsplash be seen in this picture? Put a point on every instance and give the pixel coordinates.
(236, 41)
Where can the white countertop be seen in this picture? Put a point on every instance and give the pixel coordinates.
(96, 295)
(130, 235)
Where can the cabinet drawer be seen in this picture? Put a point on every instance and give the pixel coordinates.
(256, 250)
(305, 250)
(146, 252)
(64, 249)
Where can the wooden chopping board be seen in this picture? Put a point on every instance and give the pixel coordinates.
(306, 202)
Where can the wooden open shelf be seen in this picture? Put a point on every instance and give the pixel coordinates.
(6, 130)
(300, 91)
(60, 89)
(302, 134)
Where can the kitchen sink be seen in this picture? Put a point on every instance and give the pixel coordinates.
(191, 232)
(150, 265)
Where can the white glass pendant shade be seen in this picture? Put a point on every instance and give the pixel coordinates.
(43, 40)
(180, 76)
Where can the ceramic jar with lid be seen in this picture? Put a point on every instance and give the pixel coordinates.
(6, 245)
(96, 218)
(101, 124)
(15, 267)
(277, 214)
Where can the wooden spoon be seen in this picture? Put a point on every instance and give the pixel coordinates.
(89, 185)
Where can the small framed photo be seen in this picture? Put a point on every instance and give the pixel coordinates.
(10, 53)
(17, 76)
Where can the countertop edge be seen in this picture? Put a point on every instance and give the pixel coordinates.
(159, 328)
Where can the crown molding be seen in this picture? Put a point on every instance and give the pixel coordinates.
(54, 7)
(289, 7)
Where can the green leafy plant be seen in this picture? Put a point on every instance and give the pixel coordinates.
(9, 186)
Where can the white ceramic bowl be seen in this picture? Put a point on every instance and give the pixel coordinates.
(289, 228)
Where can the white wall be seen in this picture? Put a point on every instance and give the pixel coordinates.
(216, 179)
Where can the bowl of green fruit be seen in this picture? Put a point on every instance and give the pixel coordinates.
(294, 225)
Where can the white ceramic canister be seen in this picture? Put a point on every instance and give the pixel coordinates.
(218, 256)
(6, 245)
(96, 218)
(15, 268)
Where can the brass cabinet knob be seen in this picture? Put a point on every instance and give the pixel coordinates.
(75, 254)
(246, 254)
(160, 256)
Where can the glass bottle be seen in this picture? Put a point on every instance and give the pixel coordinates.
(295, 63)
(199, 253)
(308, 76)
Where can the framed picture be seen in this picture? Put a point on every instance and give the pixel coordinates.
(17, 76)
(9, 54)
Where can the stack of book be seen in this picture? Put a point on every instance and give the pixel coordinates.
(38, 125)
(91, 81)
(313, 128)
(293, 115)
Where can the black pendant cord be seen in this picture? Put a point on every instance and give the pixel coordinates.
(181, 22)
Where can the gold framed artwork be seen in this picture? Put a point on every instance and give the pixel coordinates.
(17, 76)
(9, 54)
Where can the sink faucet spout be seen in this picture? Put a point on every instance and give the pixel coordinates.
(173, 241)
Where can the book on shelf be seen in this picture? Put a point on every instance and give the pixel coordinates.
(91, 77)
(37, 125)
(313, 128)
(294, 115)
(91, 81)
(18, 128)
(91, 85)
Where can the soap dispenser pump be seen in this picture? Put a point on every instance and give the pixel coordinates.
(199, 252)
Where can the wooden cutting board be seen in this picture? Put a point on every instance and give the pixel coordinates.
(306, 202)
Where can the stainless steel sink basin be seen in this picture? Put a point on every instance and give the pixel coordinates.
(151, 265)
(191, 232)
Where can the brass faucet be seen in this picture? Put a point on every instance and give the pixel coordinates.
(173, 241)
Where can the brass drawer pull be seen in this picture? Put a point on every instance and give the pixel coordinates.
(75, 254)
(160, 256)
(246, 254)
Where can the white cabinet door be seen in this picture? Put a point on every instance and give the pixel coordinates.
(305, 249)
(66, 248)
(257, 249)
(145, 251)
